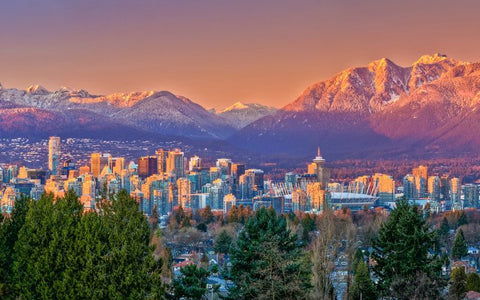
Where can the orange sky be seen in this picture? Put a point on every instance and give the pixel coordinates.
(217, 52)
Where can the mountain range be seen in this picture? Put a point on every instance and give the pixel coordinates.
(37, 111)
(379, 109)
(382, 108)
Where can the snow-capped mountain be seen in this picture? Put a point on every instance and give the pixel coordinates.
(241, 114)
(157, 112)
(433, 105)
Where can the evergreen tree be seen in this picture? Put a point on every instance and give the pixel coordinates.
(267, 262)
(45, 249)
(401, 251)
(128, 268)
(362, 287)
(207, 215)
(202, 227)
(223, 242)
(357, 258)
(457, 284)
(444, 227)
(473, 282)
(459, 248)
(204, 261)
(462, 219)
(191, 284)
(9, 230)
(186, 222)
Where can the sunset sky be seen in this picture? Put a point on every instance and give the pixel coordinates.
(217, 52)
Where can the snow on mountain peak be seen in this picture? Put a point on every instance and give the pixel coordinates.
(431, 59)
(236, 106)
(37, 89)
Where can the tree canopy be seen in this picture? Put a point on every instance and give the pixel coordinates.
(404, 249)
(267, 261)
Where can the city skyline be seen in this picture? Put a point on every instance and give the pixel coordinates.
(264, 52)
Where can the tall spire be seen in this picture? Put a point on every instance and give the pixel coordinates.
(318, 151)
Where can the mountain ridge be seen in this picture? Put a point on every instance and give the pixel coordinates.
(422, 107)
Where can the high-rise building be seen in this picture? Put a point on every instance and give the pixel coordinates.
(385, 186)
(444, 187)
(224, 165)
(175, 163)
(54, 155)
(421, 178)
(229, 201)
(245, 190)
(194, 163)
(98, 161)
(317, 196)
(317, 167)
(184, 190)
(299, 200)
(470, 194)
(119, 165)
(83, 170)
(409, 189)
(434, 188)
(237, 170)
(161, 160)
(455, 193)
(147, 166)
(257, 176)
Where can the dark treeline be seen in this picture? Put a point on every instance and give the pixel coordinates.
(54, 249)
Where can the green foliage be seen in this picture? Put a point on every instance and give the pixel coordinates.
(444, 227)
(202, 227)
(457, 284)
(9, 229)
(64, 252)
(357, 258)
(362, 287)
(46, 248)
(186, 222)
(191, 284)
(401, 251)
(459, 248)
(473, 282)
(462, 219)
(223, 242)
(267, 261)
(308, 225)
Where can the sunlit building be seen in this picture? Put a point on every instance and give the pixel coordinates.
(317, 167)
(176, 163)
(54, 155)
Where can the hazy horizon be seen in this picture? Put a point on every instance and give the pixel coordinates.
(217, 53)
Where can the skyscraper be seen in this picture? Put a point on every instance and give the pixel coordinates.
(455, 193)
(470, 193)
(98, 162)
(147, 166)
(194, 163)
(386, 187)
(409, 189)
(175, 163)
(161, 160)
(421, 178)
(54, 155)
(434, 188)
(225, 165)
(257, 178)
(317, 167)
